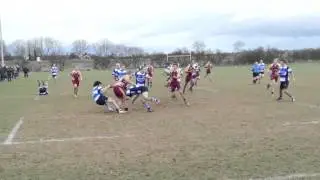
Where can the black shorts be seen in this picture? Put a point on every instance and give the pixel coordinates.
(255, 74)
(43, 91)
(284, 85)
(102, 100)
(262, 72)
(54, 76)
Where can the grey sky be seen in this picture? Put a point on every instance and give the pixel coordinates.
(165, 25)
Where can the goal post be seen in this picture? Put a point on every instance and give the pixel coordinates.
(185, 57)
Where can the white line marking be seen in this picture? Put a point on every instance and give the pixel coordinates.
(289, 177)
(13, 132)
(301, 123)
(68, 139)
(312, 106)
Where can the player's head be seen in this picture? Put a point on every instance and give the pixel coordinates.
(97, 83)
(53, 65)
(275, 60)
(117, 65)
(123, 67)
(175, 66)
(261, 61)
(283, 62)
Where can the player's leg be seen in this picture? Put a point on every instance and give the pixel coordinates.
(115, 104)
(75, 89)
(177, 88)
(187, 81)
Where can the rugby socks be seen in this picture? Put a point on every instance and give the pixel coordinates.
(147, 106)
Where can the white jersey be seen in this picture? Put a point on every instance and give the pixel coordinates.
(54, 70)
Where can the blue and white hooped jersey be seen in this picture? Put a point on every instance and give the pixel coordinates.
(140, 78)
(96, 93)
(54, 70)
(121, 73)
(115, 73)
(262, 67)
(284, 73)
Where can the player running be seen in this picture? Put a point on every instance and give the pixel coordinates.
(284, 73)
(196, 75)
(188, 71)
(149, 76)
(76, 77)
(102, 100)
(208, 68)
(262, 68)
(54, 72)
(175, 78)
(274, 75)
(255, 73)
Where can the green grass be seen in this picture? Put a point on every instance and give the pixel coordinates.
(232, 130)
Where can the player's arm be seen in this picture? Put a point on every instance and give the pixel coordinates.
(80, 76)
(127, 79)
(291, 75)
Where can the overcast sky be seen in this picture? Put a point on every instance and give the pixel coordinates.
(164, 25)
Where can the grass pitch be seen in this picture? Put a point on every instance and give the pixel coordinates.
(232, 130)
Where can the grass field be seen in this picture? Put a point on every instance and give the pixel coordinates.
(232, 130)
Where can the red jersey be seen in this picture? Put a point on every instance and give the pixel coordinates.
(75, 75)
(174, 75)
(274, 68)
(150, 69)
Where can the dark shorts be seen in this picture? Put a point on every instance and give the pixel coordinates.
(208, 71)
(284, 85)
(102, 100)
(255, 74)
(262, 72)
(174, 86)
(43, 91)
(54, 76)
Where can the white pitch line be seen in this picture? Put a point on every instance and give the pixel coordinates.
(312, 106)
(13, 132)
(301, 123)
(68, 139)
(290, 177)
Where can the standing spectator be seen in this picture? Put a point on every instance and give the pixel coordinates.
(25, 72)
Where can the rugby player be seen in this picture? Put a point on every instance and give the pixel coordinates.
(42, 88)
(262, 68)
(76, 77)
(102, 100)
(54, 71)
(274, 75)
(150, 73)
(255, 73)
(175, 78)
(285, 72)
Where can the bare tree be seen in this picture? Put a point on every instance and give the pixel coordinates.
(18, 48)
(52, 46)
(103, 47)
(199, 46)
(80, 46)
(238, 45)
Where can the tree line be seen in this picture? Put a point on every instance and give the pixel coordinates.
(105, 52)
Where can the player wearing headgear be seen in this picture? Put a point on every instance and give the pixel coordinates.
(42, 88)
(54, 71)
(76, 77)
(284, 73)
(120, 88)
(150, 73)
(102, 100)
(175, 78)
(274, 75)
